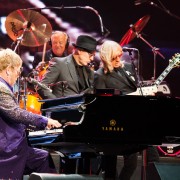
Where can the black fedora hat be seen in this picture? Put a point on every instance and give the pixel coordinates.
(86, 43)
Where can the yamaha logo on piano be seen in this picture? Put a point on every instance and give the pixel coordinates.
(112, 127)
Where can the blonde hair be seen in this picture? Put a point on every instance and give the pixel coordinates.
(9, 58)
(109, 50)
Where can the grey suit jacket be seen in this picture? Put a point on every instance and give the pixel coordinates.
(62, 74)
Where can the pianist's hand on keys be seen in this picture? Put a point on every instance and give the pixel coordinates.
(53, 124)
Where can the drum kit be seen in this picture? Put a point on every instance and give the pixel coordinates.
(28, 28)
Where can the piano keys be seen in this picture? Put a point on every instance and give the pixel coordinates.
(45, 132)
(47, 136)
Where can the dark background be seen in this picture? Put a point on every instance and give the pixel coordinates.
(161, 31)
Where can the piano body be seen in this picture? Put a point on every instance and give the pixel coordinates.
(108, 120)
(109, 124)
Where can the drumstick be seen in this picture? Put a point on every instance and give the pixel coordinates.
(44, 50)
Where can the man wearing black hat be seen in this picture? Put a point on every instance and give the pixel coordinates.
(70, 75)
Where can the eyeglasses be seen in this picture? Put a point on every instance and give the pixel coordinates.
(91, 54)
(118, 56)
(19, 71)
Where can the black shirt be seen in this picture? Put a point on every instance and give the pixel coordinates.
(80, 74)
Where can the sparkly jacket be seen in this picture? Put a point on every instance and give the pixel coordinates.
(13, 123)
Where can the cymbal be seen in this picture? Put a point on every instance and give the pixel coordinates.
(30, 26)
(136, 28)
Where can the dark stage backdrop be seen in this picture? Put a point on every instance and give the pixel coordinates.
(111, 20)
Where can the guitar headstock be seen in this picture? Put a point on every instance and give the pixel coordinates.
(175, 61)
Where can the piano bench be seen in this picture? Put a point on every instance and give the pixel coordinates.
(48, 176)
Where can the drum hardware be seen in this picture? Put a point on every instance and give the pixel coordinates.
(134, 31)
(25, 93)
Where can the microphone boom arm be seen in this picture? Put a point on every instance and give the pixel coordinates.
(75, 7)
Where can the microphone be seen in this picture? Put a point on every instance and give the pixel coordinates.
(126, 49)
(100, 41)
(139, 2)
(35, 82)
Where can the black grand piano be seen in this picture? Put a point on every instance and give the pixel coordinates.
(110, 124)
(106, 120)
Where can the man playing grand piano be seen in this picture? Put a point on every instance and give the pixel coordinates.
(120, 75)
(16, 156)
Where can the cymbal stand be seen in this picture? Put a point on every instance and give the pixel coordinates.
(19, 89)
(25, 93)
(22, 89)
(18, 81)
(18, 40)
(26, 27)
(154, 50)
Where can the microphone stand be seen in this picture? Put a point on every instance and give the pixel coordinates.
(154, 50)
(63, 85)
(18, 40)
(19, 89)
(19, 78)
(164, 9)
(25, 93)
(136, 70)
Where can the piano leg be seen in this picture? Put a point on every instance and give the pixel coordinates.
(149, 155)
(108, 165)
(144, 164)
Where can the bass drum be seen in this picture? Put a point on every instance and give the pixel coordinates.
(32, 104)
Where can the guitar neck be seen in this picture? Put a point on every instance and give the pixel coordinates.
(163, 75)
